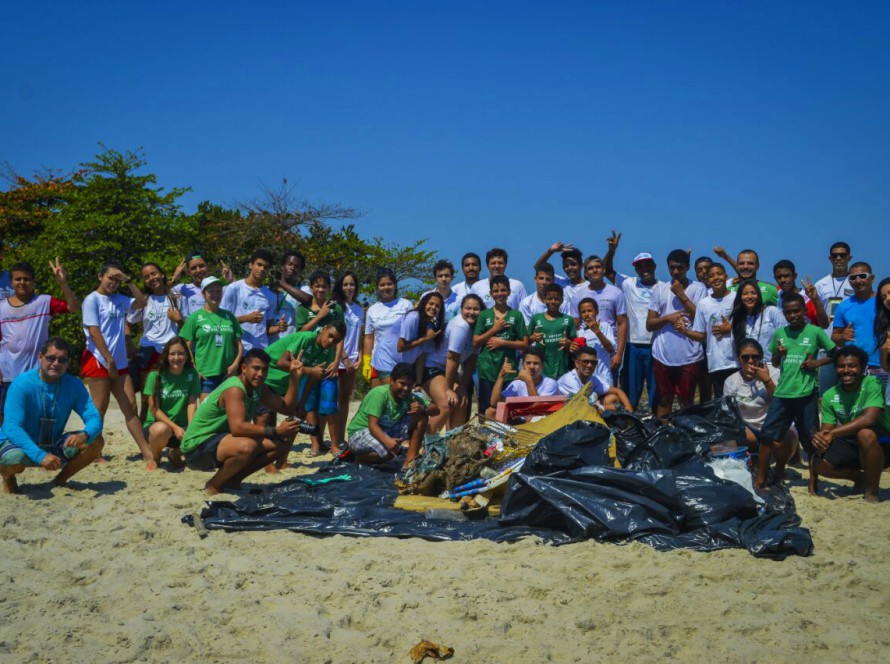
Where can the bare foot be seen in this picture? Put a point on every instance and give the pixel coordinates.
(871, 498)
(211, 490)
(100, 459)
(151, 465)
(273, 469)
(336, 451)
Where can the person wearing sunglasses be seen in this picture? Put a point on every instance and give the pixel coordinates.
(38, 406)
(835, 287)
(854, 318)
(753, 386)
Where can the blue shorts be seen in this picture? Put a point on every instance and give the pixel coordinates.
(10, 455)
(322, 397)
(210, 384)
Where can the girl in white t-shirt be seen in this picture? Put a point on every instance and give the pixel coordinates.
(422, 343)
(157, 318)
(382, 325)
(104, 361)
(345, 293)
(460, 363)
(753, 387)
(752, 320)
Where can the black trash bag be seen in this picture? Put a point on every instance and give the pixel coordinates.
(666, 448)
(712, 422)
(684, 507)
(361, 506)
(572, 446)
(630, 432)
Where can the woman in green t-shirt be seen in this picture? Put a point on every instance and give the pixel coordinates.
(172, 389)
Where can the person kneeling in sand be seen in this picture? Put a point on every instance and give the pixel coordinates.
(222, 433)
(611, 398)
(854, 442)
(530, 381)
(38, 405)
(388, 416)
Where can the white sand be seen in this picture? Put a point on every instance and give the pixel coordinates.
(103, 571)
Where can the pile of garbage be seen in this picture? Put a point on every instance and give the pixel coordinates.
(664, 484)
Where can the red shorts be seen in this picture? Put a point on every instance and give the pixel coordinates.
(90, 367)
(680, 381)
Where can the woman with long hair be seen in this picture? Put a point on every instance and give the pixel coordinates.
(157, 318)
(346, 291)
(172, 390)
(422, 343)
(382, 326)
(753, 387)
(750, 319)
(460, 362)
(104, 362)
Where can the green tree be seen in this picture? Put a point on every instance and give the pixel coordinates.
(113, 212)
(279, 220)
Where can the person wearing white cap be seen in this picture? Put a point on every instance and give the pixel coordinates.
(214, 338)
(637, 367)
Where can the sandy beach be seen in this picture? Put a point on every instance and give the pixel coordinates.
(103, 571)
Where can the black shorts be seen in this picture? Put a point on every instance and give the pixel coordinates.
(431, 372)
(803, 412)
(843, 453)
(203, 457)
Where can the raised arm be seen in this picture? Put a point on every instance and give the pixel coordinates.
(609, 259)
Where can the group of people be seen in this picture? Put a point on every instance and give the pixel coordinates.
(218, 359)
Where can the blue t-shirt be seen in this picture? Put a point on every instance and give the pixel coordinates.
(861, 315)
(30, 398)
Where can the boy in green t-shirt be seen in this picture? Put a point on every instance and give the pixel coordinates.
(795, 399)
(317, 351)
(500, 332)
(388, 416)
(553, 332)
(854, 443)
(321, 310)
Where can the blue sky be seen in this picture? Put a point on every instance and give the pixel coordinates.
(682, 124)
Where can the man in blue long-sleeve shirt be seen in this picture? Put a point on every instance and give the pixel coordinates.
(38, 405)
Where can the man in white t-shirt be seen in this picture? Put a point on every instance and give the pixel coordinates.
(290, 294)
(835, 287)
(530, 382)
(572, 265)
(611, 303)
(637, 367)
(534, 303)
(471, 266)
(832, 290)
(443, 271)
(496, 260)
(711, 326)
(676, 358)
(253, 303)
(24, 322)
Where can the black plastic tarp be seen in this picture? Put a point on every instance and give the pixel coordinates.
(567, 491)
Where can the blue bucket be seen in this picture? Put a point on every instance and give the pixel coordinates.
(740, 453)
